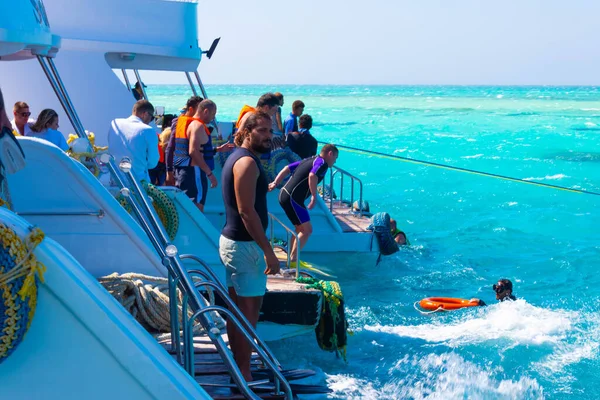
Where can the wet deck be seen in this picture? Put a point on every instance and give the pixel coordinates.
(349, 221)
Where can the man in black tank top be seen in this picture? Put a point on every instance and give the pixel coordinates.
(306, 175)
(243, 245)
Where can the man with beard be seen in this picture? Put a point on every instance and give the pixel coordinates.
(243, 245)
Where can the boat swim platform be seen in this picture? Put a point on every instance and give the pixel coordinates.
(214, 377)
(350, 221)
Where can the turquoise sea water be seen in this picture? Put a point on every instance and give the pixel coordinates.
(467, 232)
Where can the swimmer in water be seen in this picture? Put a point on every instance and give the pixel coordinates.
(503, 291)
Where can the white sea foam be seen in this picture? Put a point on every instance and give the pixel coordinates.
(443, 376)
(517, 322)
(547, 177)
(585, 347)
(473, 156)
(499, 96)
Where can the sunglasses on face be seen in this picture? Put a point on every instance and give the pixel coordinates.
(24, 114)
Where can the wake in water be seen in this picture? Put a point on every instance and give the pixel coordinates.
(518, 323)
(443, 376)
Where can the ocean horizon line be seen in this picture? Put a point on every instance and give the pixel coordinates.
(382, 85)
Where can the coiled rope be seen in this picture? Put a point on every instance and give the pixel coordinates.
(146, 298)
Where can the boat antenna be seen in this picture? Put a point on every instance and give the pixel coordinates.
(212, 49)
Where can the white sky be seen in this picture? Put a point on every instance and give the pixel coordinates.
(529, 42)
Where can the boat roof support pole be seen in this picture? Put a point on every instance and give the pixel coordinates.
(189, 78)
(137, 76)
(126, 79)
(201, 85)
(204, 95)
(62, 95)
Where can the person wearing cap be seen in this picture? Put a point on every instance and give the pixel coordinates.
(137, 91)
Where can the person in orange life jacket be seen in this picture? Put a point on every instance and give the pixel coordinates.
(267, 103)
(188, 111)
(194, 154)
(157, 174)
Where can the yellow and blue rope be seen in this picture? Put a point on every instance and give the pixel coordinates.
(20, 272)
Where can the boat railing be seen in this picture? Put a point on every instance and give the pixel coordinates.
(329, 195)
(289, 233)
(201, 309)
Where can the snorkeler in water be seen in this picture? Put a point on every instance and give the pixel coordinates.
(503, 291)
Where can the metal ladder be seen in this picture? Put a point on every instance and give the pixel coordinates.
(177, 274)
(180, 278)
(332, 174)
(289, 233)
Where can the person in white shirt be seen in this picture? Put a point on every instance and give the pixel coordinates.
(21, 120)
(132, 137)
(46, 127)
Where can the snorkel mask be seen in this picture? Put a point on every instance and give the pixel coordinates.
(498, 288)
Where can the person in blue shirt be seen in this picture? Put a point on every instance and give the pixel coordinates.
(302, 142)
(46, 127)
(291, 121)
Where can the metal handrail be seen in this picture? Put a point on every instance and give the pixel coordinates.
(241, 382)
(288, 232)
(204, 95)
(180, 278)
(337, 170)
(54, 79)
(209, 275)
(137, 76)
(201, 84)
(126, 79)
(189, 78)
(99, 213)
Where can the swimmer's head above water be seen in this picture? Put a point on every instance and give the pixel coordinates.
(503, 290)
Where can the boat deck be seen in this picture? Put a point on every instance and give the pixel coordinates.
(349, 220)
(212, 374)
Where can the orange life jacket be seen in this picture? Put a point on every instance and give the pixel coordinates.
(245, 110)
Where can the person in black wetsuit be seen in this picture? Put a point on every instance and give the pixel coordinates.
(306, 175)
(503, 291)
(243, 246)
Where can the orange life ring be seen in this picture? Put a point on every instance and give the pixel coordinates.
(446, 303)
